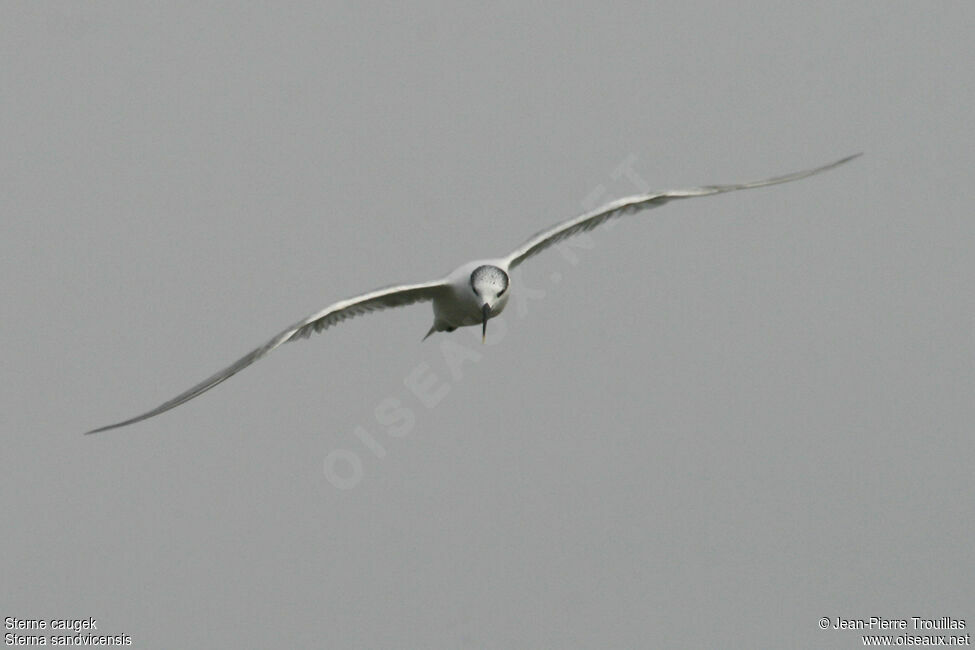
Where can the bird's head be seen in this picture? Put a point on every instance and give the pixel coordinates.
(489, 284)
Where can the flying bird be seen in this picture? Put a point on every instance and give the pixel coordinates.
(473, 293)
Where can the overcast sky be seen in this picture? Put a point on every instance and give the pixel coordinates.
(708, 426)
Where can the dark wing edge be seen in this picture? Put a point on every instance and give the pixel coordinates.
(395, 296)
(585, 222)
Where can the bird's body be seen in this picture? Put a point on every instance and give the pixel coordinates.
(472, 294)
(460, 305)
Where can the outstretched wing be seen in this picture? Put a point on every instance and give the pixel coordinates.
(542, 240)
(340, 311)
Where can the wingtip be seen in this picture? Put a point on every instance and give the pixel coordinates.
(834, 164)
(107, 427)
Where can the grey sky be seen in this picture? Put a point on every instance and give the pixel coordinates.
(708, 426)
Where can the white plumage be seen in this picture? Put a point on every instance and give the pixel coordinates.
(473, 293)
